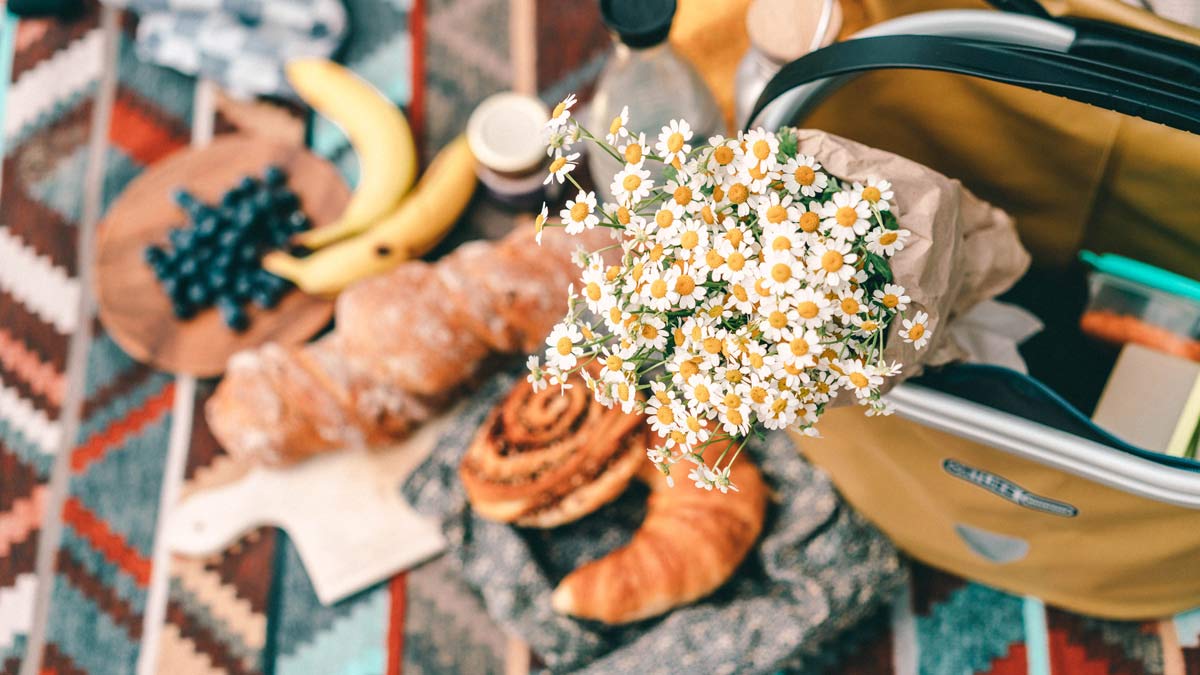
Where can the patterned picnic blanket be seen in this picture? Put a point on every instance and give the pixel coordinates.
(84, 430)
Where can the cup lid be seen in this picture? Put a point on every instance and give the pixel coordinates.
(505, 132)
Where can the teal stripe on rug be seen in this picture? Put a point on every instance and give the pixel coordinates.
(8, 44)
(1037, 636)
(973, 627)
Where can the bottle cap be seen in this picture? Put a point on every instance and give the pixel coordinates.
(785, 30)
(504, 132)
(639, 23)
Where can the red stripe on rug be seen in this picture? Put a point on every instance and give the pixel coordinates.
(100, 442)
(1015, 662)
(397, 590)
(41, 376)
(114, 547)
(21, 519)
(140, 135)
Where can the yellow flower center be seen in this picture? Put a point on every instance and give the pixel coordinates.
(656, 252)
(649, 332)
(735, 237)
(869, 326)
(736, 261)
(916, 332)
(558, 109)
(733, 376)
(615, 126)
(888, 238)
(832, 261)
(580, 211)
(808, 309)
(623, 391)
(777, 319)
(758, 394)
(734, 417)
(633, 153)
(859, 380)
(665, 415)
(871, 194)
(636, 271)
(809, 222)
(694, 424)
(739, 292)
(762, 149)
(593, 291)
(613, 362)
(690, 240)
(564, 345)
(712, 345)
(622, 215)
(612, 273)
(713, 259)
(631, 182)
(700, 393)
(756, 360)
(850, 306)
(684, 285)
(890, 300)
(675, 142)
(723, 154)
(799, 346)
(779, 405)
(781, 243)
(716, 311)
(804, 175)
(683, 195)
(846, 216)
(706, 214)
(557, 164)
(658, 289)
(614, 314)
(738, 193)
(718, 193)
(776, 214)
(757, 172)
(688, 368)
(781, 272)
(732, 400)
(664, 218)
(761, 288)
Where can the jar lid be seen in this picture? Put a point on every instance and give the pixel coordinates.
(639, 23)
(785, 30)
(505, 132)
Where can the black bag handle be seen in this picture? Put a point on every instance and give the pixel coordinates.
(1101, 84)
(1120, 45)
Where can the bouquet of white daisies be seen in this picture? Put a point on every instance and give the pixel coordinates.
(753, 287)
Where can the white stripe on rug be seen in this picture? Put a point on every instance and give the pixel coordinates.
(49, 83)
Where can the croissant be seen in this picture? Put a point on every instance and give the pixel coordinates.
(404, 344)
(547, 458)
(690, 543)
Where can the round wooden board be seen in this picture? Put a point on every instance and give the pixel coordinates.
(133, 307)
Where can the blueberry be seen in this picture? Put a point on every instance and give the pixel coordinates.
(183, 198)
(243, 288)
(262, 201)
(230, 199)
(180, 237)
(247, 185)
(232, 313)
(247, 253)
(183, 309)
(154, 254)
(298, 222)
(207, 227)
(199, 294)
(275, 176)
(228, 239)
(187, 267)
(285, 202)
(223, 261)
(266, 298)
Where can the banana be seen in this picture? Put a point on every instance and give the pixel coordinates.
(379, 133)
(421, 221)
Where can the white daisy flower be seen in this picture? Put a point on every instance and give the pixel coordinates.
(651, 331)
(725, 156)
(916, 331)
(562, 112)
(876, 192)
(802, 174)
(813, 307)
(879, 408)
(580, 213)
(783, 238)
(892, 297)
(634, 150)
(684, 291)
(684, 194)
(846, 215)
(703, 477)
(673, 140)
(832, 263)
(740, 298)
(561, 167)
(700, 391)
(849, 303)
(782, 272)
(536, 376)
(560, 140)
(597, 292)
(631, 184)
(886, 242)
(617, 128)
(734, 411)
(778, 317)
(738, 194)
(564, 352)
(539, 223)
(774, 209)
(780, 409)
(761, 148)
(859, 378)
(800, 347)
